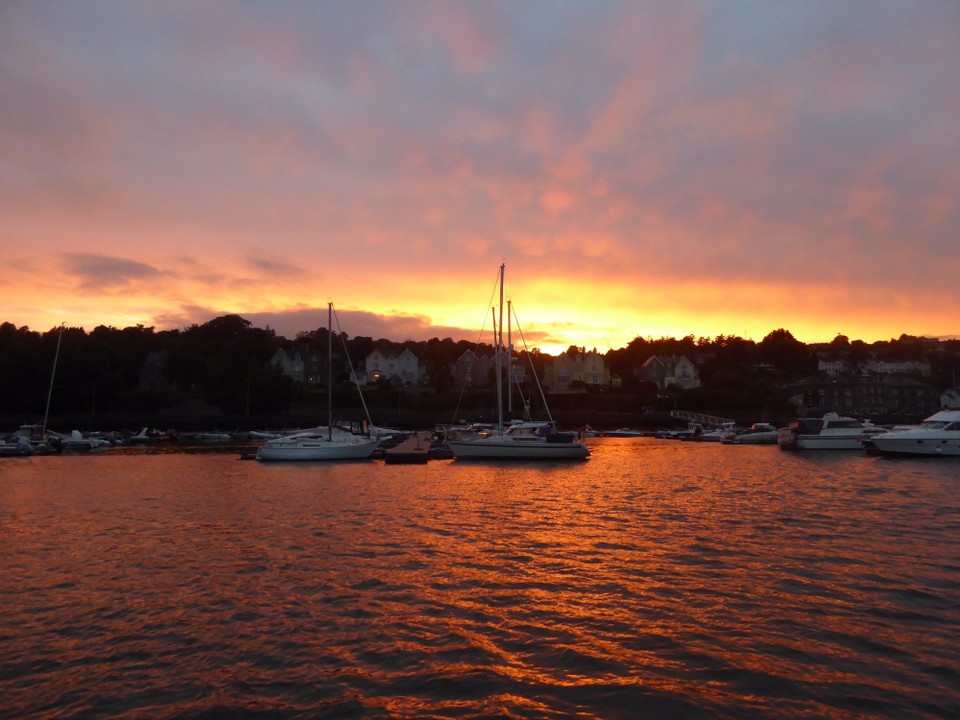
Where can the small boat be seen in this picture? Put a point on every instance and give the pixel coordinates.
(321, 443)
(147, 436)
(586, 432)
(831, 432)
(726, 431)
(937, 436)
(761, 433)
(75, 442)
(623, 433)
(16, 446)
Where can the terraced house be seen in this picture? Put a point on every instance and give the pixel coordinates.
(570, 369)
(402, 367)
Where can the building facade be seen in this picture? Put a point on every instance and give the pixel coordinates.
(566, 369)
(402, 366)
(303, 364)
(868, 396)
(665, 371)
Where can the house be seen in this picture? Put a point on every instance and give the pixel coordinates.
(669, 370)
(567, 368)
(910, 367)
(402, 366)
(472, 370)
(302, 363)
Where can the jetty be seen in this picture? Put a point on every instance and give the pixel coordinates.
(414, 450)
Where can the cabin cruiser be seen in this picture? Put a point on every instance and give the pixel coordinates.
(831, 432)
(937, 436)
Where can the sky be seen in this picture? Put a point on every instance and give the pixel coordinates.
(643, 168)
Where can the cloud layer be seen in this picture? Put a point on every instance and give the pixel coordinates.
(644, 168)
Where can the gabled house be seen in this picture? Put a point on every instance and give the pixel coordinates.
(303, 364)
(669, 370)
(581, 367)
(472, 370)
(403, 366)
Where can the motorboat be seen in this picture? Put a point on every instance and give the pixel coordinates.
(726, 431)
(831, 432)
(322, 443)
(623, 432)
(524, 440)
(937, 436)
(761, 433)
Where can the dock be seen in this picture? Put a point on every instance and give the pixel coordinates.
(414, 450)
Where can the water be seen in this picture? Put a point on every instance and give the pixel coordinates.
(658, 579)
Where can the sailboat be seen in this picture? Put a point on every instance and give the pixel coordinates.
(321, 443)
(527, 440)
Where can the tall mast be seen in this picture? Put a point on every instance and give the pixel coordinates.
(330, 371)
(46, 413)
(498, 337)
(509, 358)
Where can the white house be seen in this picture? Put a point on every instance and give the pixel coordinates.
(670, 370)
(389, 364)
(586, 367)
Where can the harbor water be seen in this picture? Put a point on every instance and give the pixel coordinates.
(658, 579)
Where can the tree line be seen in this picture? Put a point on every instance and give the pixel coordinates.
(224, 363)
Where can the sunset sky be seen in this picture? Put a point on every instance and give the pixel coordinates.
(642, 168)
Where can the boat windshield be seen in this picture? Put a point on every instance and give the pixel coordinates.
(940, 425)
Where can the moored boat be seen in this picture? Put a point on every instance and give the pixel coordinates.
(518, 441)
(831, 432)
(322, 443)
(761, 433)
(937, 436)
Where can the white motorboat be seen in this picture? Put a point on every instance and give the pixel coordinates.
(726, 431)
(322, 443)
(518, 441)
(831, 432)
(623, 433)
(761, 433)
(937, 436)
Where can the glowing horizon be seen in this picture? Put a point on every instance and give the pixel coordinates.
(644, 169)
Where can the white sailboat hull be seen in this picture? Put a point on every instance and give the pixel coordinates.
(318, 449)
(506, 448)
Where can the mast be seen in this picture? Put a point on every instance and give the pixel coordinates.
(498, 338)
(330, 371)
(46, 413)
(509, 358)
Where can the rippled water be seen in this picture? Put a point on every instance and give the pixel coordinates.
(658, 579)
